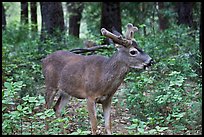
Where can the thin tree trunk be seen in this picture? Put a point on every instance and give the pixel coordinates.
(3, 17)
(163, 20)
(144, 27)
(111, 16)
(201, 29)
(52, 19)
(153, 17)
(75, 10)
(185, 13)
(33, 9)
(24, 12)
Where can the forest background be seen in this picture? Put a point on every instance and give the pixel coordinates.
(165, 100)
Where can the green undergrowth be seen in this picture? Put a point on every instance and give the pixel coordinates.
(167, 99)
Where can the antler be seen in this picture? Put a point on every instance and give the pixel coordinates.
(130, 31)
(117, 39)
(129, 36)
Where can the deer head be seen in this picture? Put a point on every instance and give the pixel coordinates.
(133, 55)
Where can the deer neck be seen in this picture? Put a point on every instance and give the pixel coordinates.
(116, 68)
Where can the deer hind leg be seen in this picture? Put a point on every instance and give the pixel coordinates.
(91, 105)
(49, 96)
(61, 103)
(107, 115)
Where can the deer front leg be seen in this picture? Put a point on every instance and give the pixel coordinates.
(107, 115)
(91, 105)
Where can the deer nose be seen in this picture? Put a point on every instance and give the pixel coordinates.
(151, 62)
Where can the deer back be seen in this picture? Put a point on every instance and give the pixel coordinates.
(54, 63)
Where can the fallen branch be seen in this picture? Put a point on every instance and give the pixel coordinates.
(92, 49)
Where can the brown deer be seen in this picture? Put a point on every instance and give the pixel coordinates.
(94, 78)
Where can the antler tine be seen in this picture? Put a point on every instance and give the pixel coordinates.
(117, 39)
(130, 31)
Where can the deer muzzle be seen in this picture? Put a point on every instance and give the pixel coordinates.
(147, 65)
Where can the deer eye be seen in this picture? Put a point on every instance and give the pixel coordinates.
(133, 52)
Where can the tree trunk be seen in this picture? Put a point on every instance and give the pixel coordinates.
(185, 13)
(75, 10)
(24, 12)
(201, 30)
(52, 19)
(143, 11)
(153, 17)
(3, 17)
(33, 10)
(111, 16)
(163, 20)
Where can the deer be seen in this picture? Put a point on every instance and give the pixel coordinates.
(95, 78)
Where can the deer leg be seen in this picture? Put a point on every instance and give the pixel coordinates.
(92, 114)
(107, 115)
(49, 97)
(61, 103)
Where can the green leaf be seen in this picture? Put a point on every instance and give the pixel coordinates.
(42, 117)
(19, 107)
(39, 114)
(85, 132)
(180, 127)
(25, 108)
(168, 118)
(59, 120)
(133, 126)
(142, 25)
(152, 131)
(179, 115)
(26, 98)
(141, 130)
(160, 129)
(174, 73)
(32, 99)
(74, 133)
(8, 85)
(4, 108)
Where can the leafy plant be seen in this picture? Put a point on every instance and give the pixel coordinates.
(162, 96)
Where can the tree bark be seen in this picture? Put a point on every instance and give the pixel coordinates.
(3, 17)
(201, 30)
(185, 13)
(33, 10)
(163, 20)
(52, 19)
(24, 12)
(111, 16)
(143, 10)
(75, 10)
